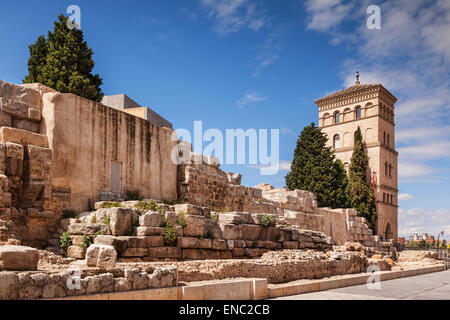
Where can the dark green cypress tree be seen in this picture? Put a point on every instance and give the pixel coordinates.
(312, 168)
(340, 184)
(361, 194)
(67, 65)
(37, 59)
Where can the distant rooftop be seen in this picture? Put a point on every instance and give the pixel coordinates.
(124, 103)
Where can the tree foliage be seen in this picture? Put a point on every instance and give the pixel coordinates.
(362, 197)
(64, 62)
(314, 169)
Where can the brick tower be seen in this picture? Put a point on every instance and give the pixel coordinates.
(371, 107)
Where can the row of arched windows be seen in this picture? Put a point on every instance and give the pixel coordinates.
(347, 115)
(338, 116)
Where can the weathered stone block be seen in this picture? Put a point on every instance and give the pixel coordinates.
(205, 243)
(269, 234)
(290, 245)
(149, 231)
(219, 244)
(195, 226)
(76, 252)
(250, 232)
(81, 228)
(230, 231)
(5, 119)
(34, 114)
(18, 258)
(213, 229)
(121, 221)
(100, 255)
(14, 108)
(188, 242)
(23, 137)
(230, 218)
(152, 241)
(134, 252)
(118, 243)
(14, 159)
(165, 252)
(9, 285)
(150, 219)
(187, 208)
(25, 124)
(190, 254)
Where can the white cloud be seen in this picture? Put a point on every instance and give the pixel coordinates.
(419, 220)
(248, 99)
(233, 15)
(405, 197)
(413, 170)
(326, 14)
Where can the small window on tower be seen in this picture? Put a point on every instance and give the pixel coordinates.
(336, 141)
(388, 141)
(390, 171)
(358, 113)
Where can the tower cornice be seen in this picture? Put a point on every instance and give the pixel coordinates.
(355, 94)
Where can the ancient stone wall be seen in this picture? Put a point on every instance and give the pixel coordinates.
(47, 285)
(228, 235)
(202, 182)
(26, 196)
(92, 143)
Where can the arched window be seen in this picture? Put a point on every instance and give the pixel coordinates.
(358, 112)
(392, 199)
(336, 117)
(390, 171)
(386, 169)
(388, 141)
(384, 137)
(336, 141)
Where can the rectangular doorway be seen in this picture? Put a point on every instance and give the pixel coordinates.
(116, 177)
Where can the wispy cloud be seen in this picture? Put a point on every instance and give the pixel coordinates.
(405, 197)
(326, 14)
(233, 15)
(287, 132)
(282, 166)
(249, 98)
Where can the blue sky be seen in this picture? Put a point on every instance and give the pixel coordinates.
(261, 64)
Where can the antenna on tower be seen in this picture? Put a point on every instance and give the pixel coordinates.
(357, 78)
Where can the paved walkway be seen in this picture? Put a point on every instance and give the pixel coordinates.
(424, 287)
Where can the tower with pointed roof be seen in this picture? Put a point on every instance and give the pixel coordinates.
(371, 107)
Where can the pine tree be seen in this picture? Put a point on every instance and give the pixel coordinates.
(67, 64)
(362, 197)
(313, 169)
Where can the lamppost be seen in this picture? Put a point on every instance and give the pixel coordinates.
(439, 243)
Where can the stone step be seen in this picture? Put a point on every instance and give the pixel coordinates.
(23, 137)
